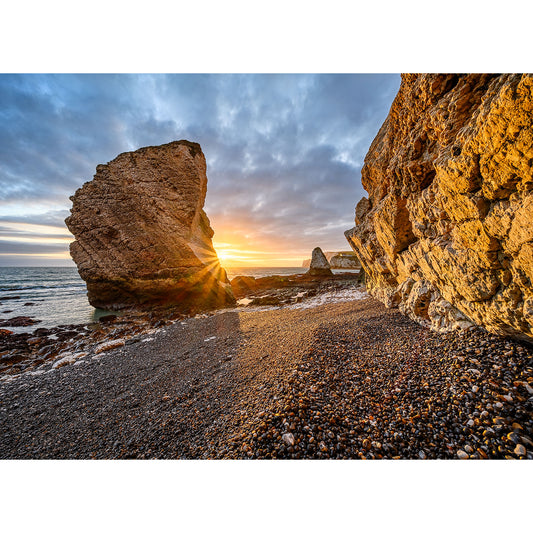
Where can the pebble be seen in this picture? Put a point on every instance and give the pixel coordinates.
(109, 345)
(527, 441)
(514, 437)
(520, 450)
(343, 395)
(288, 439)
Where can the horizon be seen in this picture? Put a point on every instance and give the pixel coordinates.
(284, 154)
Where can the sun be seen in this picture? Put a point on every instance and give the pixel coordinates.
(223, 256)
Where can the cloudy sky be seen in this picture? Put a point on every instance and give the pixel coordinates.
(284, 153)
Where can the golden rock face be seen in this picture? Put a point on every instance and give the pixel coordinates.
(142, 236)
(447, 231)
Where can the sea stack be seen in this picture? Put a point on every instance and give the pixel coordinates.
(446, 233)
(142, 236)
(319, 264)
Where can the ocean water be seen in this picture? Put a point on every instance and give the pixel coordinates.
(261, 272)
(58, 295)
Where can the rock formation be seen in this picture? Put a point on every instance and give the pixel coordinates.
(319, 264)
(142, 237)
(338, 260)
(447, 231)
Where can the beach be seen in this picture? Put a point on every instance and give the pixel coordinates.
(342, 379)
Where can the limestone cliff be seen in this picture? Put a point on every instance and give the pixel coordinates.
(340, 260)
(447, 231)
(142, 237)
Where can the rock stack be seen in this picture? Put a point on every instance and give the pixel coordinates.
(319, 264)
(446, 233)
(142, 237)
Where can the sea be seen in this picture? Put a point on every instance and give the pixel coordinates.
(58, 295)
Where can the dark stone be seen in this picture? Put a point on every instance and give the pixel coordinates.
(266, 300)
(19, 321)
(107, 319)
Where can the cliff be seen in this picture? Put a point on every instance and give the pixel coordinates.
(446, 233)
(142, 237)
(340, 260)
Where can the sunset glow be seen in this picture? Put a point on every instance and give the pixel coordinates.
(283, 151)
(235, 255)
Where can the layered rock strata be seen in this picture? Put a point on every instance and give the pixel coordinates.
(142, 237)
(447, 230)
(319, 264)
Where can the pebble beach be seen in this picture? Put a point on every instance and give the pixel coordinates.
(342, 379)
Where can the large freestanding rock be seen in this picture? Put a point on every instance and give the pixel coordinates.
(319, 264)
(142, 237)
(447, 231)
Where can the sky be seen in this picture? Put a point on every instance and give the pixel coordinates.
(284, 154)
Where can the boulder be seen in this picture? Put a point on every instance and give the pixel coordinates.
(243, 285)
(446, 233)
(319, 264)
(142, 237)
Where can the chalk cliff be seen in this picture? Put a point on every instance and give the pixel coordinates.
(341, 260)
(446, 232)
(142, 237)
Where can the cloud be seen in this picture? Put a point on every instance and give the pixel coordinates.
(284, 152)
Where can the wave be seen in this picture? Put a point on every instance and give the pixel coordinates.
(42, 287)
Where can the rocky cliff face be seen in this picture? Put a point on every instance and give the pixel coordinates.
(142, 237)
(447, 230)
